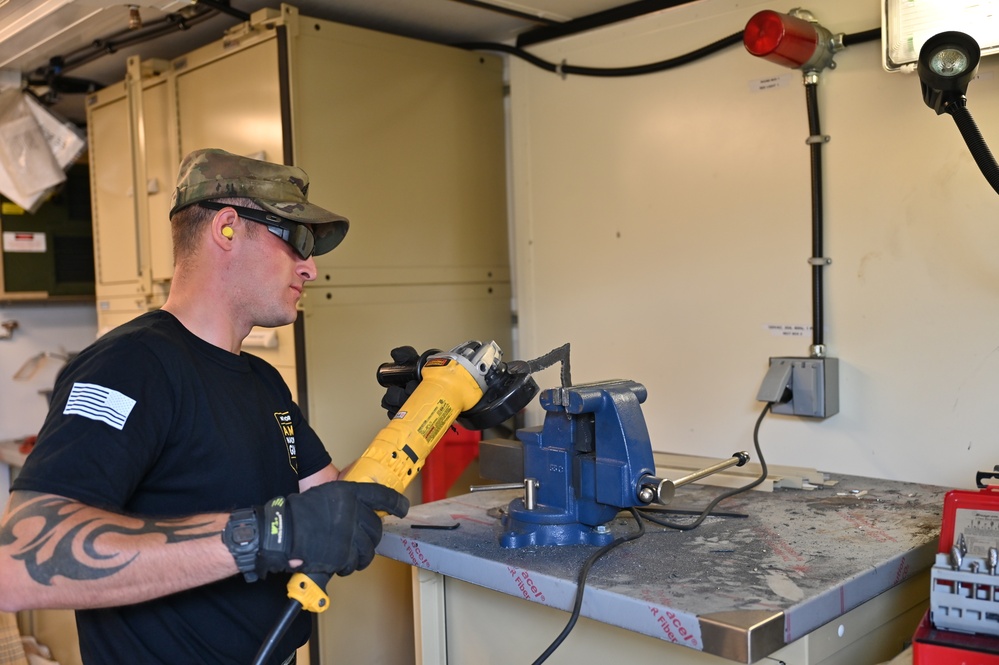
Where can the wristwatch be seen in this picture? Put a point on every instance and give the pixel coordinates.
(242, 538)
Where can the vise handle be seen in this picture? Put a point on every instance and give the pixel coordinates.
(662, 490)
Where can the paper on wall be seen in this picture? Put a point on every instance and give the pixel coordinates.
(28, 202)
(65, 141)
(35, 149)
(24, 152)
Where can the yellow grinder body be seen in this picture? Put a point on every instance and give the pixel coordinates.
(400, 449)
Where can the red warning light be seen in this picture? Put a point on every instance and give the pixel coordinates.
(788, 40)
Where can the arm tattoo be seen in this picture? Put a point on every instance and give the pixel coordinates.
(65, 543)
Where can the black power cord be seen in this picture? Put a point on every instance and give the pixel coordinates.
(581, 584)
(565, 69)
(288, 615)
(639, 515)
(113, 43)
(687, 526)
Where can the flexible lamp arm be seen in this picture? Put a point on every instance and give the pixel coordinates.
(975, 142)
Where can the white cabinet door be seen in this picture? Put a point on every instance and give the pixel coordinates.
(232, 102)
(115, 233)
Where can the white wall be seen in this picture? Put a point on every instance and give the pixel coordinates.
(52, 328)
(662, 222)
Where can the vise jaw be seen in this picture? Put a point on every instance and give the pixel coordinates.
(588, 461)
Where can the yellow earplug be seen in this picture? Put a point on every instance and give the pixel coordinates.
(227, 232)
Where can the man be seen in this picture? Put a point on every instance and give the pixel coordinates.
(171, 462)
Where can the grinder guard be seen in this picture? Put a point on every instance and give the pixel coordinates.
(504, 393)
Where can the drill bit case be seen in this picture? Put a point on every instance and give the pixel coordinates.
(964, 592)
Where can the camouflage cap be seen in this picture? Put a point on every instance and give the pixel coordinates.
(211, 173)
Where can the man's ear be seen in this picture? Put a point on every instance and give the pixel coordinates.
(222, 229)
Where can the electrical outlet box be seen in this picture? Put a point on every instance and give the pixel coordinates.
(813, 385)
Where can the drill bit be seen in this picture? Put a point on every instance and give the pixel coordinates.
(956, 557)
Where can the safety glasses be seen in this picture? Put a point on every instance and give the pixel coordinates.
(299, 236)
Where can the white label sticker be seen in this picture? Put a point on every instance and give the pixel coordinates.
(788, 330)
(23, 241)
(770, 83)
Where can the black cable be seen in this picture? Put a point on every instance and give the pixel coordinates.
(975, 141)
(565, 69)
(861, 37)
(724, 495)
(815, 141)
(266, 650)
(581, 584)
(101, 47)
(109, 42)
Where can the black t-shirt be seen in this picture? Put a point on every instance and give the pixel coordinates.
(153, 421)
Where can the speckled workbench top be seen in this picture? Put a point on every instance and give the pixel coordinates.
(796, 560)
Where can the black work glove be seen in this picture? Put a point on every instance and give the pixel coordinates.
(396, 396)
(333, 528)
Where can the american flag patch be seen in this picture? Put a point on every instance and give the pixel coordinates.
(99, 403)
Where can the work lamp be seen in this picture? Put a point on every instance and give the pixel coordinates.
(947, 63)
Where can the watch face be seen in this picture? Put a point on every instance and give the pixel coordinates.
(243, 533)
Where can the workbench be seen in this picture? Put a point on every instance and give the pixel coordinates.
(834, 574)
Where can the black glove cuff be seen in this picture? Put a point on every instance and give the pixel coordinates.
(275, 537)
(242, 536)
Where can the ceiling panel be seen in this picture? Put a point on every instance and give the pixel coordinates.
(33, 32)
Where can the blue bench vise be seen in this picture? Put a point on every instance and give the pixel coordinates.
(590, 459)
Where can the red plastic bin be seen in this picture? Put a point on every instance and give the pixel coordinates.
(944, 647)
(450, 457)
